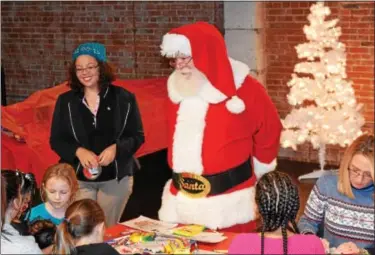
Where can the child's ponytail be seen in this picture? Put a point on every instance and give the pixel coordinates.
(81, 218)
(64, 241)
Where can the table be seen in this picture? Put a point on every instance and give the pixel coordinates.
(115, 231)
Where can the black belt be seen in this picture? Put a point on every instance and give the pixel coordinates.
(204, 185)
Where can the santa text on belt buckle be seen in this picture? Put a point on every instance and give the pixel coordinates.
(193, 185)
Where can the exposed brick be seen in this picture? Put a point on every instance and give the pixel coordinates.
(357, 22)
(351, 6)
(39, 37)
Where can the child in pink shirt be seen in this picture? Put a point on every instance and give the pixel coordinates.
(277, 200)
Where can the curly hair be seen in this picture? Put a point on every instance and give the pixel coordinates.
(278, 202)
(106, 76)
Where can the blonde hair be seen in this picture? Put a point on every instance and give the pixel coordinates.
(363, 145)
(81, 218)
(63, 171)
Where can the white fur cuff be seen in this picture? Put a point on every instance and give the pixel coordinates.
(262, 168)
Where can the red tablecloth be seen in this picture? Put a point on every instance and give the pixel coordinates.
(17, 155)
(115, 231)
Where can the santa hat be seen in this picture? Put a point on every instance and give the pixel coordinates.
(204, 43)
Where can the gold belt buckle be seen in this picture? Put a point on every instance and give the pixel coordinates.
(194, 185)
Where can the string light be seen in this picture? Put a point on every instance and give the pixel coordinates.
(334, 117)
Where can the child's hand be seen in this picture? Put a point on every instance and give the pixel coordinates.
(87, 158)
(347, 248)
(325, 244)
(108, 155)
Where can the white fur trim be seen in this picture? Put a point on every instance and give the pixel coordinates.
(235, 105)
(173, 94)
(174, 44)
(188, 136)
(240, 71)
(208, 92)
(215, 212)
(263, 168)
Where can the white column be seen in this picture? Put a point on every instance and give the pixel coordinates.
(243, 24)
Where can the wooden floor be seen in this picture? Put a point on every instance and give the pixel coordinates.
(150, 180)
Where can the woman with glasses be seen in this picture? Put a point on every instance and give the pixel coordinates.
(343, 204)
(97, 128)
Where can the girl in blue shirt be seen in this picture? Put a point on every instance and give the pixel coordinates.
(58, 190)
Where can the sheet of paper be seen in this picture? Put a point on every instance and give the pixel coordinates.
(148, 225)
(204, 237)
(208, 237)
(200, 251)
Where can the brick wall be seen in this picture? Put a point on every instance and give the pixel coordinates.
(284, 23)
(39, 37)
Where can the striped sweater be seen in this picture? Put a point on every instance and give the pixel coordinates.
(342, 219)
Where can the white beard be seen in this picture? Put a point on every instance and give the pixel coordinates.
(188, 85)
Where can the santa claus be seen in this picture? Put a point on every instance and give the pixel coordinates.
(223, 132)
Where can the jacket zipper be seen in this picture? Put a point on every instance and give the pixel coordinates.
(79, 164)
(122, 130)
(74, 133)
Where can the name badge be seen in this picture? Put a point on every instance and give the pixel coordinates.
(193, 185)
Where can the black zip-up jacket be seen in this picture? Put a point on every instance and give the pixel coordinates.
(68, 131)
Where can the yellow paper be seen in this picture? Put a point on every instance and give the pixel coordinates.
(189, 230)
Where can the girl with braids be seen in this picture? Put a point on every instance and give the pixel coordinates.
(343, 204)
(82, 230)
(11, 240)
(277, 201)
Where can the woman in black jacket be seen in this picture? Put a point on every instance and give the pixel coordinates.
(97, 128)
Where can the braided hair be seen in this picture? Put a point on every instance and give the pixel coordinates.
(278, 203)
(29, 187)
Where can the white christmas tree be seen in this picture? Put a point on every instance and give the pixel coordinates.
(325, 110)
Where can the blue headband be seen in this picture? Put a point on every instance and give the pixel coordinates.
(96, 50)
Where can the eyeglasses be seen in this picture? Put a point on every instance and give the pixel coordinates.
(355, 173)
(183, 60)
(89, 69)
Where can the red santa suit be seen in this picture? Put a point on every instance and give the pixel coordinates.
(220, 140)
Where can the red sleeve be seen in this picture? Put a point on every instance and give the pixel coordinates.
(266, 138)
